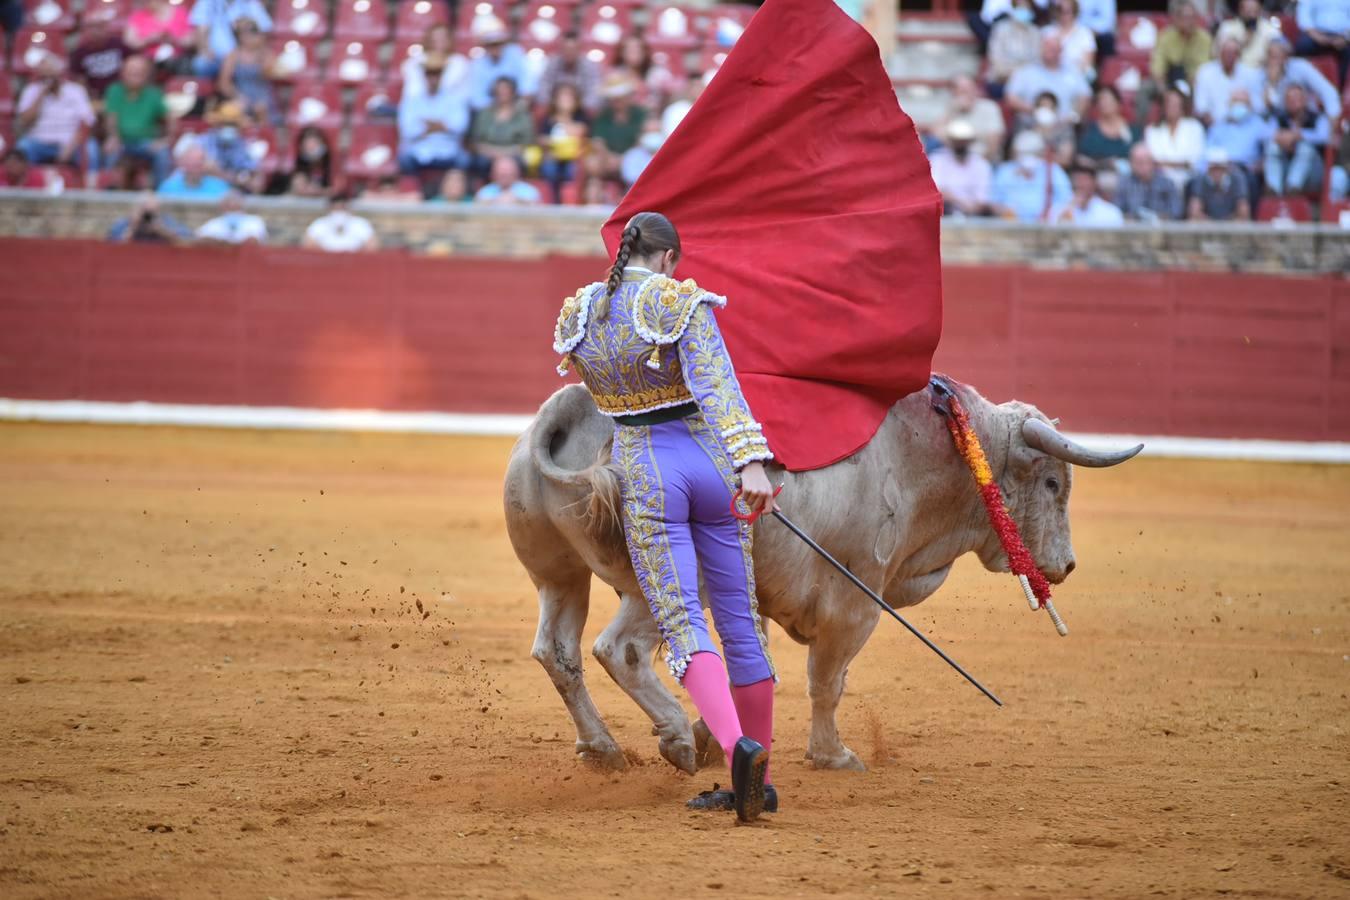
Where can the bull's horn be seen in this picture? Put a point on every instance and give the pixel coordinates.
(1043, 437)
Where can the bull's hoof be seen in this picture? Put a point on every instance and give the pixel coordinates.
(604, 755)
(708, 752)
(680, 753)
(846, 760)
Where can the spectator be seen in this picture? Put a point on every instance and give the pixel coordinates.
(1100, 18)
(147, 225)
(136, 117)
(17, 172)
(963, 176)
(55, 116)
(313, 172)
(11, 19)
(1324, 28)
(227, 150)
(1280, 71)
(991, 13)
(564, 137)
(569, 66)
(1182, 48)
(1050, 75)
(503, 129)
(1028, 186)
(969, 104)
(1220, 193)
(1240, 135)
(506, 188)
(98, 56)
(1177, 142)
(1340, 172)
(191, 180)
(339, 231)
(1078, 43)
(1217, 79)
(1253, 31)
(161, 31)
(233, 225)
(1106, 136)
(214, 23)
(636, 159)
(1085, 209)
(431, 125)
(1014, 42)
(454, 188)
(438, 49)
(1294, 151)
(655, 83)
(245, 74)
(616, 130)
(500, 59)
(677, 109)
(1049, 121)
(1146, 194)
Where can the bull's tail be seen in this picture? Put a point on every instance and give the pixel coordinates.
(600, 479)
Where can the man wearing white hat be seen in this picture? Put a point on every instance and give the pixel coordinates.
(499, 59)
(962, 175)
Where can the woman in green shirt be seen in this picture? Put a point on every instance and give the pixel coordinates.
(1106, 137)
(503, 129)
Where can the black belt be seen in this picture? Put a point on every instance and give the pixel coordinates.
(657, 416)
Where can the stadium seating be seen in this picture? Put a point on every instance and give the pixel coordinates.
(373, 152)
(361, 19)
(1284, 209)
(354, 61)
(414, 17)
(673, 28)
(121, 10)
(297, 59)
(50, 15)
(300, 18)
(544, 22)
(7, 98)
(32, 45)
(472, 9)
(375, 94)
(315, 103)
(606, 23)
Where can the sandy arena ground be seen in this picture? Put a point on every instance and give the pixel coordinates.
(243, 664)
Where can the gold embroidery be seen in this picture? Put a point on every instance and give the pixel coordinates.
(636, 402)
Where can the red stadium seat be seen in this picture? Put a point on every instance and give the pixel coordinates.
(1137, 33)
(354, 61)
(32, 45)
(1327, 66)
(545, 22)
(264, 148)
(471, 9)
(711, 59)
(374, 93)
(414, 17)
(725, 24)
(363, 19)
(7, 98)
(1289, 27)
(373, 152)
(1284, 209)
(606, 23)
(670, 60)
(297, 59)
(183, 93)
(1336, 213)
(315, 103)
(674, 27)
(300, 18)
(50, 15)
(121, 10)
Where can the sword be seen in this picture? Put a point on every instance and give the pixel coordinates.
(858, 582)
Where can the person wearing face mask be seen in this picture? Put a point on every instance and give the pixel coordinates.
(313, 172)
(1014, 42)
(1217, 80)
(233, 225)
(1029, 186)
(963, 176)
(991, 12)
(636, 158)
(969, 104)
(340, 231)
(1050, 75)
(1252, 30)
(227, 149)
(1240, 134)
(1048, 120)
(1294, 151)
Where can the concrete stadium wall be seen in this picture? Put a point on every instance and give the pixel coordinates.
(534, 233)
(1172, 353)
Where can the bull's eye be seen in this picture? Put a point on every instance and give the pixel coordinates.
(1053, 485)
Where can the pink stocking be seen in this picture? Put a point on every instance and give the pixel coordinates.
(754, 706)
(706, 681)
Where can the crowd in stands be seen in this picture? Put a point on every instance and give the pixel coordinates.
(1212, 114)
(1078, 115)
(459, 101)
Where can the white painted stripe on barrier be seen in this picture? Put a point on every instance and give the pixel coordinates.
(287, 417)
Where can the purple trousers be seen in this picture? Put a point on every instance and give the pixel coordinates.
(677, 488)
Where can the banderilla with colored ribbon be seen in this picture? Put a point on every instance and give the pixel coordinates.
(858, 582)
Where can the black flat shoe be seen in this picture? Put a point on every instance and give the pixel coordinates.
(718, 800)
(749, 762)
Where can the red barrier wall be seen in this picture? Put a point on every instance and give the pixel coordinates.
(1151, 352)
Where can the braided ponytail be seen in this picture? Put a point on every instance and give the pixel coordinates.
(646, 233)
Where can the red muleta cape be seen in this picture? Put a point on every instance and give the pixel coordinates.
(801, 192)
